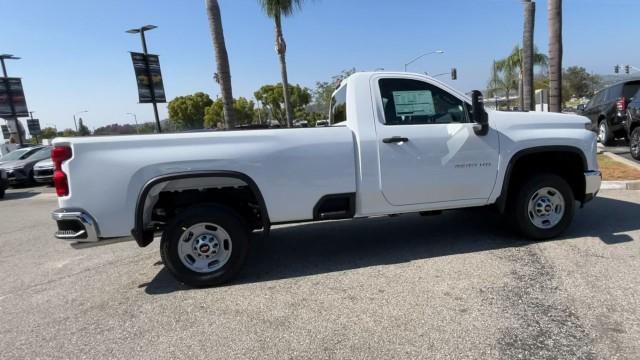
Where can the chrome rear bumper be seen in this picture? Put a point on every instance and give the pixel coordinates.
(75, 225)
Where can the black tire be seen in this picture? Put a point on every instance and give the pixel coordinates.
(604, 133)
(634, 143)
(222, 216)
(2, 193)
(519, 206)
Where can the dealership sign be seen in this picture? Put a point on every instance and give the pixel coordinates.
(34, 126)
(11, 92)
(149, 78)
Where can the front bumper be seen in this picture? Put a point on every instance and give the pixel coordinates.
(17, 176)
(43, 175)
(75, 225)
(592, 181)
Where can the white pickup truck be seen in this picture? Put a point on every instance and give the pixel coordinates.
(399, 143)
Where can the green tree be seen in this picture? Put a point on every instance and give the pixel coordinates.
(324, 89)
(555, 55)
(578, 83)
(502, 83)
(276, 9)
(83, 130)
(272, 97)
(513, 63)
(243, 108)
(223, 74)
(48, 133)
(187, 112)
(69, 133)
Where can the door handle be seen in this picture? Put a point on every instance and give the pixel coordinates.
(395, 139)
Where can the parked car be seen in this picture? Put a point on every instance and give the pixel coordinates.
(4, 183)
(322, 123)
(43, 171)
(607, 110)
(633, 125)
(407, 143)
(19, 164)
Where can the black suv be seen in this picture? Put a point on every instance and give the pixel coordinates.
(607, 110)
(633, 125)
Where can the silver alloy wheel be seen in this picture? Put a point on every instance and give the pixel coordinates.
(602, 132)
(546, 208)
(204, 247)
(634, 144)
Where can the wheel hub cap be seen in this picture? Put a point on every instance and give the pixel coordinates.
(204, 247)
(546, 208)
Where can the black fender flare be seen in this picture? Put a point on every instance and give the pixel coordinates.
(145, 237)
(501, 201)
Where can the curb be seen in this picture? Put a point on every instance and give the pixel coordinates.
(620, 185)
(619, 158)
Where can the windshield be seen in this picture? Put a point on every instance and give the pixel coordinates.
(16, 154)
(43, 153)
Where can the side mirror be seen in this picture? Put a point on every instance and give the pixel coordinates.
(581, 107)
(479, 116)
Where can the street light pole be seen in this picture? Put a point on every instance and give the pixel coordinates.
(421, 56)
(144, 51)
(8, 90)
(135, 119)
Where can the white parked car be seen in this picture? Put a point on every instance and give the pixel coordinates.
(408, 143)
(43, 171)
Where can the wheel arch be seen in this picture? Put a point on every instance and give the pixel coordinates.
(501, 201)
(144, 237)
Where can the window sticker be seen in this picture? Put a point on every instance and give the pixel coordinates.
(413, 103)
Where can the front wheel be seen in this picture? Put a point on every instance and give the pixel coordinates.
(543, 207)
(634, 143)
(205, 245)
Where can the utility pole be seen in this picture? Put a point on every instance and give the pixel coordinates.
(144, 51)
(8, 90)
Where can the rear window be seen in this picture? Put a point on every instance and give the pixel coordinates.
(339, 106)
(630, 90)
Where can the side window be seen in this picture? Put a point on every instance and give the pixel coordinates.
(339, 106)
(411, 102)
(613, 93)
(597, 99)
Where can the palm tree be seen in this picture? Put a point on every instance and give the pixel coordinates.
(276, 9)
(503, 82)
(527, 55)
(223, 74)
(555, 55)
(513, 64)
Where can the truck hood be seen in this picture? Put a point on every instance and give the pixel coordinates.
(503, 120)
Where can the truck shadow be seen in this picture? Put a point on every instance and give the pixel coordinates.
(318, 248)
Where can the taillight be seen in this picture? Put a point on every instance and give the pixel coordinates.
(622, 104)
(59, 154)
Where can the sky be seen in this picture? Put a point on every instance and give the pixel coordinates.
(75, 52)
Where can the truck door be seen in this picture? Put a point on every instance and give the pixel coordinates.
(427, 149)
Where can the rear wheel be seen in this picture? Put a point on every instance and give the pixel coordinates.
(543, 207)
(634, 143)
(2, 193)
(205, 245)
(605, 136)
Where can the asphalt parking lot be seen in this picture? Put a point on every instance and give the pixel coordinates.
(458, 286)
